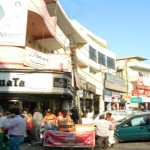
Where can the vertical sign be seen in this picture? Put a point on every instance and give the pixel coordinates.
(13, 22)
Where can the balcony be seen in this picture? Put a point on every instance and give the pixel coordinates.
(40, 24)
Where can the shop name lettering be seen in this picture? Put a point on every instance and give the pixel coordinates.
(38, 56)
(7, 35)
(16, 82)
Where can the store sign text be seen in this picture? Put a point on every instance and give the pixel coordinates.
(14, 82)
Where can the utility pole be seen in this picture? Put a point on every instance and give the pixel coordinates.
(73, 47)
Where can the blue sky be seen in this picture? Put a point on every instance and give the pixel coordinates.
(124, 24)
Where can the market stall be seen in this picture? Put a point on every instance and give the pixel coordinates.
(72, 136)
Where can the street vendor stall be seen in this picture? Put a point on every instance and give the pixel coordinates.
(83, 136)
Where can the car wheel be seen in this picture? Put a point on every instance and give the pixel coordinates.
(115, 139)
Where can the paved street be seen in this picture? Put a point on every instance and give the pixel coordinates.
(120, 146)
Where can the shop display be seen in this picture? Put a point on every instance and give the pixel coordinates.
(66, 125)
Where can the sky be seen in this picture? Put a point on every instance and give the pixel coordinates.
(124, 24)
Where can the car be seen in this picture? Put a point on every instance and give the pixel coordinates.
(116, 114)
(135, 127)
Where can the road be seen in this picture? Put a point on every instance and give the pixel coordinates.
(120, 146)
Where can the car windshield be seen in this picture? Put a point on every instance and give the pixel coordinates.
(126, 117)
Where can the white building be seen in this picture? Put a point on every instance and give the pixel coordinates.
(95, 62)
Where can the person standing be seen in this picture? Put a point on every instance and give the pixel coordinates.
(49, 120)
(111, 135)
(37, 123)
(49, 117)
(16, 126)
(74, 115)
(102, 131)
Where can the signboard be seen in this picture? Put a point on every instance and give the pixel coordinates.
(107, 98)
(113, 78)
(33, 83)
(41, 60)
(13, 22)
(69, 139)
(115, 86)
(107, 92)
(136, 100)
(138, 92)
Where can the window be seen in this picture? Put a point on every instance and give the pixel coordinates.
(60, 83)
(119, 73)
(110, 63)
(138, 121)
(92, 53)
(101, 59)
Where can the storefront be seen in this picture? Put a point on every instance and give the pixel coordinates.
(140, 102)
(114, 87)
(88, 98)
(140, 97)
(35, 89)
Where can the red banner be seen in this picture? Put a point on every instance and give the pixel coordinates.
(69, 139)
(138, 92)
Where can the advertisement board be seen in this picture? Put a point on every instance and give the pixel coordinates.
(13, 22)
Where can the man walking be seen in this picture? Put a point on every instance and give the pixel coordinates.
(102, 131)
(111, 134)
(16, 126)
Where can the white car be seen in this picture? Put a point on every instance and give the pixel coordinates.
(116, 114)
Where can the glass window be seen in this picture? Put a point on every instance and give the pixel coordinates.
(101, 59)
(138, 121)
(110, 63)
(92, 53)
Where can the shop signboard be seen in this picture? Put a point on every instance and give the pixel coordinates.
(138, 92)
(39, 60)
(115, 86)
(113, 78)
(107, 98)
(33, 83)
(136, 100)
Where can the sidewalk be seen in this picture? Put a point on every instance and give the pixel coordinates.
(31, 147)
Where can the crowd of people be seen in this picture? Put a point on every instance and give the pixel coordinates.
(22, 126)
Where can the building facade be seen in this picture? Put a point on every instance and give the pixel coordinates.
(35, 58)
(135, 72)
(48, 60)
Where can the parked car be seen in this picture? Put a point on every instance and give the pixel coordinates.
(116, 114)
(133, 128)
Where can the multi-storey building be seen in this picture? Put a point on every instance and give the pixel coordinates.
(101, 89)
(34, 54)
(137, 77)
(48, 60)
